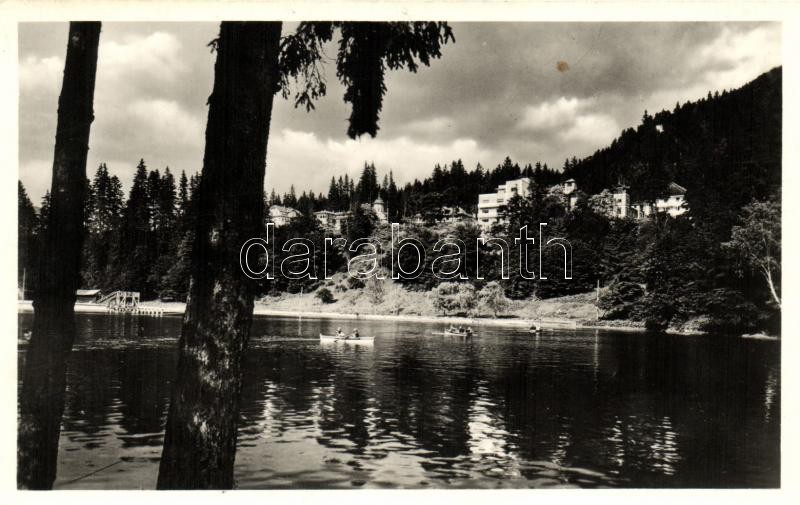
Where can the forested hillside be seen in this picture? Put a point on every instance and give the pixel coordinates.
(725, 149)
(718, 264)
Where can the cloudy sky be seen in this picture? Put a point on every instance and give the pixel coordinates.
(499, 90)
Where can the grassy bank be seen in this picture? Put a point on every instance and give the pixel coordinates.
(392, 299)
(398, 303)
(393, 302)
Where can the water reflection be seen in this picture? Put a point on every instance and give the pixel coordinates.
(506, 409)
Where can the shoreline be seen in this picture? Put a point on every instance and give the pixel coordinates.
(178, 308)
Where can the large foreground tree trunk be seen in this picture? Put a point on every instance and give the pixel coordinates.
(200, 441)
(41, 401)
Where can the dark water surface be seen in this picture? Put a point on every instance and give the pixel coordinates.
(506, 409)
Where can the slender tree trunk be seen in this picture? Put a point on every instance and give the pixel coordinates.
(768, 276)
(41, 401)
(200, 441)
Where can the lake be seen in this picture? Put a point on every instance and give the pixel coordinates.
(505, 409)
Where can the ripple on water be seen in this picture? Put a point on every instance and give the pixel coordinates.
(565, 409)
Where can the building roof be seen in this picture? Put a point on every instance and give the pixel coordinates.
(335, 213)
(676, 189)
(87, 292)
(378, 200)
(280, 209)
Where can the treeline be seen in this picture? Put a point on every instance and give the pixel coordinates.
(140, 243)
(448, 185)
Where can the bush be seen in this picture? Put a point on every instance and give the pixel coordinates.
(375, 289)
(493, 298)
(731, 313)
(656, 310)
(325, 295)
(354, 283)
(620, 301)
(451, 297)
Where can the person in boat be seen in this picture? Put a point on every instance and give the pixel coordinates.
(339, 332)
(469, 331)
(355, 335)
(452, 329)
(460, 329)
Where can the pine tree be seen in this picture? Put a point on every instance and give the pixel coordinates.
(27, 248)
(274, 198)
(290, 198)
(367, 187)
(135, 253)
(333, 193)
(104, 217)
(183, 194)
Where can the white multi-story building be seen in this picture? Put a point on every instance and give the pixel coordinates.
(621, 202)
(333, 221)
(569, 188)
(674, 204)
(336, 221)
(281, 216)
(490, 204)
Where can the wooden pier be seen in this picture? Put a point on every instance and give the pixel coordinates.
(128, 302)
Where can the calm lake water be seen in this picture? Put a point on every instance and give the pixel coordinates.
(506, 409)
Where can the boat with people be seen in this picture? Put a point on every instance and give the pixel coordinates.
(340, 336)
(346, 338)
(452, 331)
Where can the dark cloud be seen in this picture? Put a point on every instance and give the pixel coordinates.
(497, 91)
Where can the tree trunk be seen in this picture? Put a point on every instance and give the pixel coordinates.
(200, 440)
(768, 276)
(41, 401)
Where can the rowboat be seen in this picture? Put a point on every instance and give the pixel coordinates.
(451, 334)
(334, 338)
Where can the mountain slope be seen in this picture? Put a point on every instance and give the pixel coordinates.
(725, 149)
